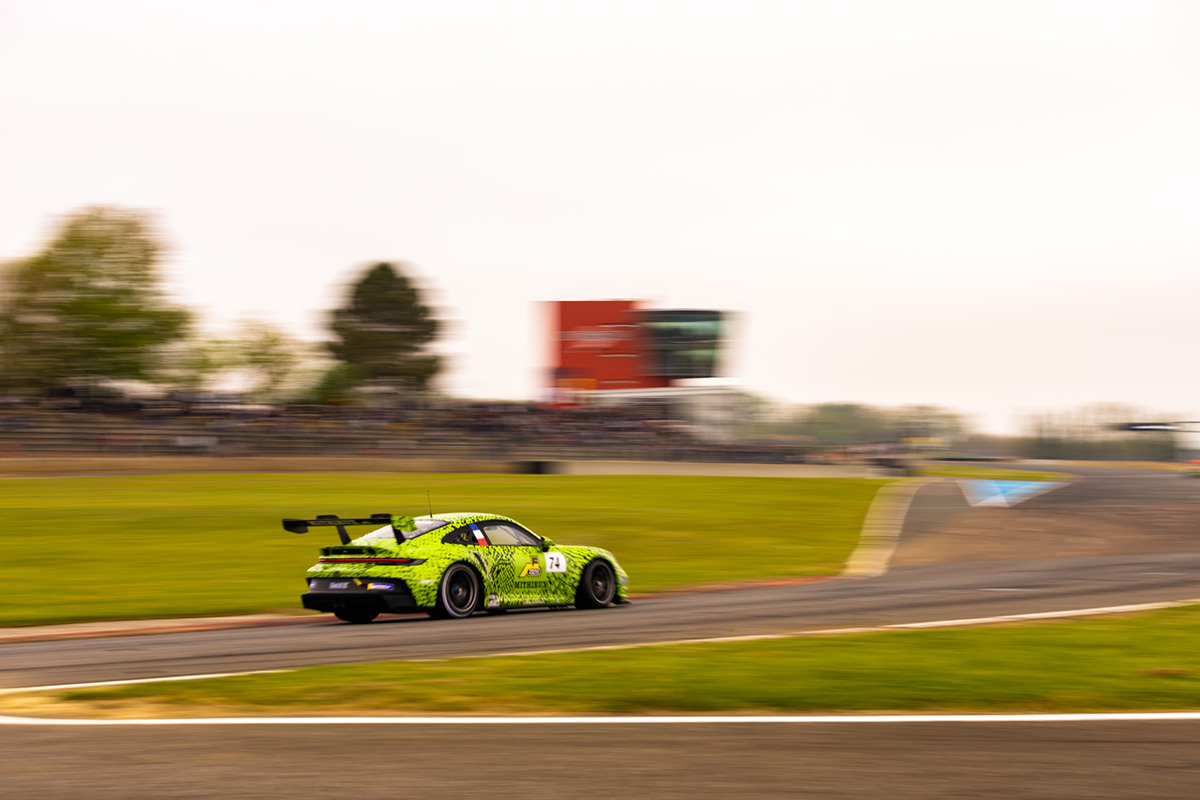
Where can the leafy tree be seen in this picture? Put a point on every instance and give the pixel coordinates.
(384, 331)
(259, 359)
(844, 423)
(924, 421)
(1095, 432)
(269, 356)
(335, 384)
(853, 423)
(753, 415)
(194, 363)
(88, 307)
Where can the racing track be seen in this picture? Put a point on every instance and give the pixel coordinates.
(1113, 538)
(1147, 551)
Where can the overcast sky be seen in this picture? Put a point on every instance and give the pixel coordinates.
(988, 206)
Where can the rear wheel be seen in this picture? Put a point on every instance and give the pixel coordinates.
(597, 587)
(458, 595)
(356, 616)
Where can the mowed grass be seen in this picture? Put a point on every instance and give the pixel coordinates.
(77, 549)
(1144, 662)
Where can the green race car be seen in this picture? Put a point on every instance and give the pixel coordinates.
(452, 565)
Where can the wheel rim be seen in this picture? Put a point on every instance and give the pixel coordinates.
(460, 592)
(602, 583)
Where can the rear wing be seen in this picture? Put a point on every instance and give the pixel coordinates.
(399, 524)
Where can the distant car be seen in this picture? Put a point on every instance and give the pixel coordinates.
(452, 565)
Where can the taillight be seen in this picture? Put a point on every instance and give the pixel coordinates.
(399, 561)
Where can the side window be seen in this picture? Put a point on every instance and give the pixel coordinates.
(460, 536)
(531, 539)
(502, 533)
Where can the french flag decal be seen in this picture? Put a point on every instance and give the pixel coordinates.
(480, 539)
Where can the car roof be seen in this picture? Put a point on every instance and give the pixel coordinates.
(463, 517)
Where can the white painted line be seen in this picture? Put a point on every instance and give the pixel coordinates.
(98, 684)
(944, 623)
(1079, 612)
(881, 528)
(609, 720)
(635, 645)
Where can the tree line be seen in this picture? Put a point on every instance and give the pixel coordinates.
(1089, 432)
(89, 310)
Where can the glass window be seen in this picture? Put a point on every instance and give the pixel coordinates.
(503, 533)
(460, 536)
(424, 526)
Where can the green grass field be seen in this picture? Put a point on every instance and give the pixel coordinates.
(1147, 661)
(77, 549)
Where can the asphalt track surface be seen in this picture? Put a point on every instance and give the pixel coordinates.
(907, 760)
(1115, 537)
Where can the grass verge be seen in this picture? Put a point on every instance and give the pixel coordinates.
(1147, 661)
(78, 549)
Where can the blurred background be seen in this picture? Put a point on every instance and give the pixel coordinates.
(463, 236)
(763, 231)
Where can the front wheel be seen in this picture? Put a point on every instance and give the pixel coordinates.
(597, 587)
(458, 596)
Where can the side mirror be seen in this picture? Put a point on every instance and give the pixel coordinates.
(546, 545)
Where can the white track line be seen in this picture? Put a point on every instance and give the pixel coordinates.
(945, 623)
(941, 623)
(673, 720)
(1080, 612)
(98, 684)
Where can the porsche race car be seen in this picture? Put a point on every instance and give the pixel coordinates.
(452, 565)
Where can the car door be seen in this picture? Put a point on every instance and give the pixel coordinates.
(519, 571)
(558, 588)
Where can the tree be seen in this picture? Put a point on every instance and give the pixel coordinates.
(384, 331)
(853, 423)
(334, 384)
(269, 356)
(258, 360)
(88, 307)
(191, 364)
(1095, 432)
(753, 414)
(844, 423)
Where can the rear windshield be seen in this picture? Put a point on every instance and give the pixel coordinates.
(424, 526)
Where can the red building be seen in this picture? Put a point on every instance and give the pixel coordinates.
(599, 345)
(601, 348)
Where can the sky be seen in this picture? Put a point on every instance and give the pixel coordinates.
(989, 206)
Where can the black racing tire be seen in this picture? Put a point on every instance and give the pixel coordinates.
(356, 616)
(597, 587)
(458, 594)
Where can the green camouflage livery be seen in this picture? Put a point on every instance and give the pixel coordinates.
(453, 565)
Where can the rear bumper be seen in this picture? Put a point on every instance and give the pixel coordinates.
(382, 595)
